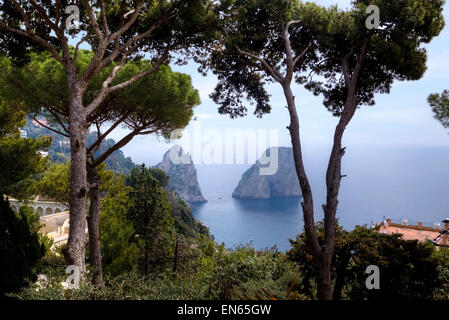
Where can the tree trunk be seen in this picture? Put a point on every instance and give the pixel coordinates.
(324, 281)
(321, 258)
(342, 270)
(74, 253)
(93, 225)
(322, 254)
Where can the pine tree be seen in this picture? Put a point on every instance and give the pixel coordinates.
(152, 220)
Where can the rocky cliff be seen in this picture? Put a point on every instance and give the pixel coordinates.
(183, 180)
(283, 183)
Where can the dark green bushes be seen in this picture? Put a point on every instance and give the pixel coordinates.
(21, 247)
(408, 269)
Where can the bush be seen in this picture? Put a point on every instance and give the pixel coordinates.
(205, 272)
(408, 269)
(244, 268)
(20, 247)
(442, 256)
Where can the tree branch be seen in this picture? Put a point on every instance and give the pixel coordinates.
(120, 49)
(130, 22)
(345, 66)
(116, 146)
(35, 38)
(289, 51)
(47, 19)
(99, 61)
(140, 75)
(333, 173)
(25, 17)
(93, 20)
(273, 72)
(75, 56)
(104, 88)
(58, 11)
(104, 18)
(96, 148)
(300, 57)
(107, 132)
(49, 128)
(360, 61)
(61, 123)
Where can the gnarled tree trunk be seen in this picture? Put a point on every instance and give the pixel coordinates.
(322, 253)
(74, 253)
(321, 258)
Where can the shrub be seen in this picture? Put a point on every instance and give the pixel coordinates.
(408, 269)
(20, 247)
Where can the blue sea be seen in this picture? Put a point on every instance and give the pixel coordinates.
(397, 183)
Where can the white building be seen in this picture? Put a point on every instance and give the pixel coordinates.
(23, 133)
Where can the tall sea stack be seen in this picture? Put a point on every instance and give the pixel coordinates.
(283, 183)
(183, 179)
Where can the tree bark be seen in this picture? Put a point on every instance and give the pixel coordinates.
(93, 225)
(342, 270)
(74, 253)
(321, 258)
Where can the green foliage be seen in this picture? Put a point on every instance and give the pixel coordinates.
(192, 24)
(55, 183)
(20, 244)
(59, 150)
(19, 157)
(41, 84)
(10, 120)
(126, 286)
(156, 104)
(393, 52)
(255, 27)
(243, 269)
(301, 254)
(408, 269)
(160, 176)
(20, 247)
(184, 220)
(151, 218)
(119, 250)
(440, 107)
(442, 256)
(168, 107)
(122, 247)
(201, 276)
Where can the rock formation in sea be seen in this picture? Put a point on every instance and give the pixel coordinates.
(263, 184)
(183, 180)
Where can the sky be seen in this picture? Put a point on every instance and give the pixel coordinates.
(401, 119)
